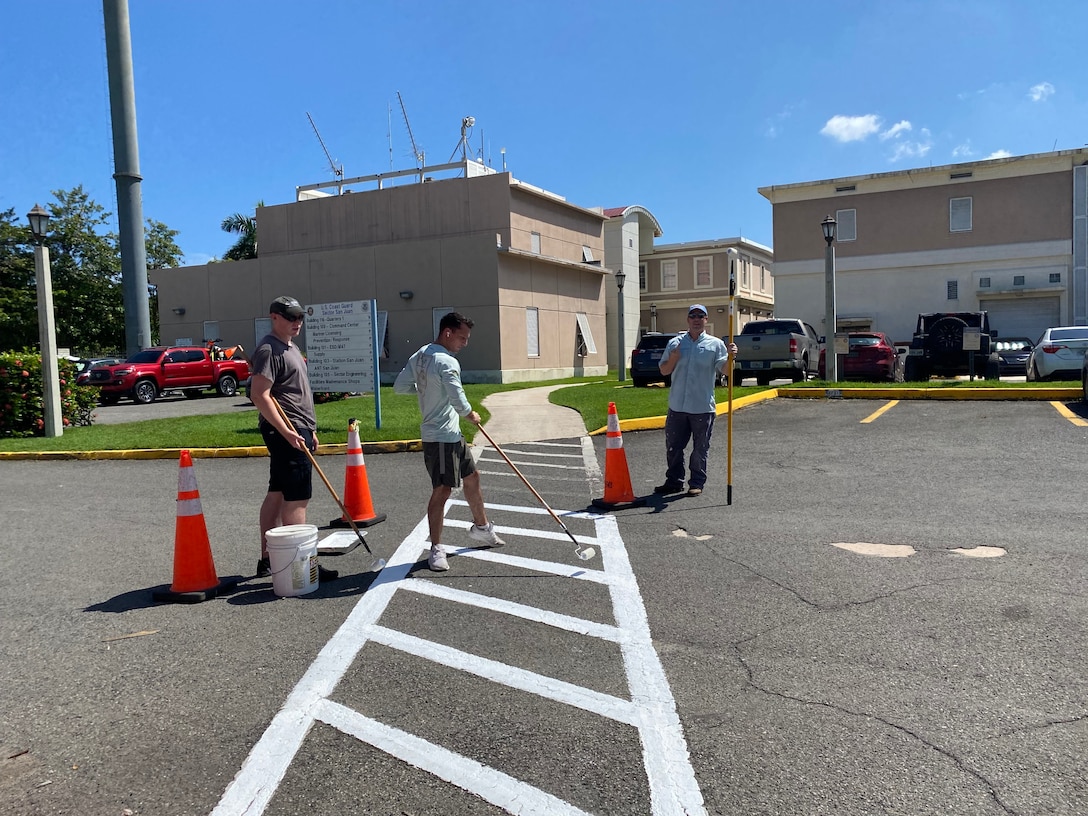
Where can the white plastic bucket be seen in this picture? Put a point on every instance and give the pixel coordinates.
(292, 555)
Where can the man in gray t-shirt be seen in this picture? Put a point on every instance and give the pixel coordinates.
(278, 374)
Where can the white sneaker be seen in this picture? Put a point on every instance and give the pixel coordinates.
(437, 560)
(485, 534)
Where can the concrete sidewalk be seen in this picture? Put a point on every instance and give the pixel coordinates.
(527, 415)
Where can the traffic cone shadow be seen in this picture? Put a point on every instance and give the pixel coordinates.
(195, 579)
(357, 499)
(618, 493)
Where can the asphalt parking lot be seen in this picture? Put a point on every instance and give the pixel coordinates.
(888, 618)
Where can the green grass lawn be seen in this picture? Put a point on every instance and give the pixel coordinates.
(400, 415)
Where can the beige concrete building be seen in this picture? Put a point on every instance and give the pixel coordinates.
(629, 234)
(523, 263)
(1004, 235)
(673, 276)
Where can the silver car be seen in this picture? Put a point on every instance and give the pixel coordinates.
(1059, 354)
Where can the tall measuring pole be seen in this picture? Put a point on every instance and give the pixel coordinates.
(126, 174)
(732, 254)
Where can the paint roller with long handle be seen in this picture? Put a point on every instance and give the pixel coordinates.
(378, 563)
(583, 551)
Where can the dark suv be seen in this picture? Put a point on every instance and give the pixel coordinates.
(646, 356)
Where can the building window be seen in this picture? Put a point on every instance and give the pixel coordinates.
(587, 254)
(704, 272)
(847, 229)
(1017, 280)
(959, 214)
(1055, 277)
(532, 331)
(762, 278)
(668, 275)
(642, 277)
(983, 283)
(534, 242)
(584, 337)
(745, 266)
(953, 290)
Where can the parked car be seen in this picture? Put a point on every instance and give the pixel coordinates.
(1084, 378)
(779, 347)
(148, 373)
(84, 366)
(1014, 353)
(871, 356)
(646, 356)
(1059, 354)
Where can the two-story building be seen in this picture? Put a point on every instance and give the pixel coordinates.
(1008, 236)
(673, 276)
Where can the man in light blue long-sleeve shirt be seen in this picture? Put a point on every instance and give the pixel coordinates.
(693, 361)
(435, 375)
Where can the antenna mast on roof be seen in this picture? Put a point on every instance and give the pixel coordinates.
(336, 171)
(417, 151)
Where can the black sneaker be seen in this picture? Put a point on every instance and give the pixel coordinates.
(669, 487)
(264, 568)
(326, 574)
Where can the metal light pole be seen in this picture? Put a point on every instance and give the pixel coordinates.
(653, 317)
(47, 332)
(831, 359)
(620, 276)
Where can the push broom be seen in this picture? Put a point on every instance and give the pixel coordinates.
(378, 563)
(583, 551)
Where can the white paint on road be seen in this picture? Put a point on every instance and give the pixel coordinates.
(650, 708)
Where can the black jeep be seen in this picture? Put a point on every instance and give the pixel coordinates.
(937, 347)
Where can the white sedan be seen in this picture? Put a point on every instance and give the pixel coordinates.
(1059, 354)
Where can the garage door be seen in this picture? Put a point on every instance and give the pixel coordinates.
(1023, 317)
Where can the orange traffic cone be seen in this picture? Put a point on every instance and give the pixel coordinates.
(356, 486)
(618, 493)
(194, 570)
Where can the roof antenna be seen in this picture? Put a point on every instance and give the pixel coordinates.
(417, 151)
(336, 171)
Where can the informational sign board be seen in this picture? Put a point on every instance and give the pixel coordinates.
(972, 338)
(842, 343)
(340, 346)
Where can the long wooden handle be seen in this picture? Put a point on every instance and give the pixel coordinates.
(321, 473)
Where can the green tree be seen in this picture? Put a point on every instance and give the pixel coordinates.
(163, 252)
(245, 227)
(18, 300)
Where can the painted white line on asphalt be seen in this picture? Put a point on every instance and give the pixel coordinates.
(673, 788)
(489, 461)
(604, 705)
(510, 450)
(547, 567)
(556, 620)
(501, 790)
(534, 510)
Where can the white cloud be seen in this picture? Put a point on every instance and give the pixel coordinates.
(851, 128)
(893, 132)
(916, 149)
(1041, 92)
(998, 154)
(963, 151)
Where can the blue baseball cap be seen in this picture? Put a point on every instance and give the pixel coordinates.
(697, 307)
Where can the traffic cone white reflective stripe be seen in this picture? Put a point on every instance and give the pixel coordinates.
(614, 438)
(188, 495)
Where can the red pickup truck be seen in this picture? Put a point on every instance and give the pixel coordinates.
(150, 372)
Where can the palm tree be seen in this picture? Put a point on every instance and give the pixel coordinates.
(245, 227)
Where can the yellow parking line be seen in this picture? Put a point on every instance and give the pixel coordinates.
(1065, 412)
(878, 412)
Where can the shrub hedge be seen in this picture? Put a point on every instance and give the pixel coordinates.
(22, 411)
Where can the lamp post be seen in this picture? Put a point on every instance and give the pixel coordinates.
(620, 277)
(732, 254)
(831, 360)
(653, 317)
(47, 333)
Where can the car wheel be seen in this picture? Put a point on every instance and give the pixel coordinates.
(668, 381)
(1033, 374)
(1084, 387)
(639, 382)
(897, 373)
(763, 379)
(145, 392)
(227, 385)
(993, 369)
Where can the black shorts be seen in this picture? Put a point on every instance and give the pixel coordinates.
(289, 469)
(448, 462)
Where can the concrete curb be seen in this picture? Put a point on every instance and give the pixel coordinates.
(640, 424)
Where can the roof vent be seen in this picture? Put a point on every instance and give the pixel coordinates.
(968, 174)
(849, 188)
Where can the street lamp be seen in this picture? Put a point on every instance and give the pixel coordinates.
(47, 333)
(620, 277)
(831, 360)
(653, 317)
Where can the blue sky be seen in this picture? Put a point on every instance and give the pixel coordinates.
(685, 108)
